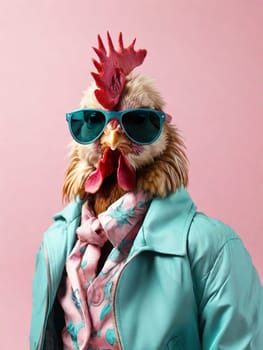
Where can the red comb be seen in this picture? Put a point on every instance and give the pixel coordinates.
(113, 68)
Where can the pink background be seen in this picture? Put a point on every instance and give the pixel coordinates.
(206, 57)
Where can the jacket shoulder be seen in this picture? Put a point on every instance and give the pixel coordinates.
(207, 237)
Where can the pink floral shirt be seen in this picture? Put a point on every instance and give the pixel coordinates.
(88, 298)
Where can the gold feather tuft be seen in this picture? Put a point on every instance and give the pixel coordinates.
(82, 162)
(169, 170)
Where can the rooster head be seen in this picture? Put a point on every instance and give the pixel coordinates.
(123, 141)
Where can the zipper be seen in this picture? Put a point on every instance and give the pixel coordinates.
(114, 296)
(41, 339)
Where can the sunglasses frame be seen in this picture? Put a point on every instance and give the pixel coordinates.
(109, 115)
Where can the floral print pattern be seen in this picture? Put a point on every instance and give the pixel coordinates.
(88, 298)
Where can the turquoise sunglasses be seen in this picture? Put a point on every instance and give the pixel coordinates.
(142, 125)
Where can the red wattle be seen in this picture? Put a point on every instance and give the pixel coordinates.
(112, 161)
(126, 175)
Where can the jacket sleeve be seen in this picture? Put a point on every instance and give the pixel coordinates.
(39, 298)
(42, 299)
(231, 306)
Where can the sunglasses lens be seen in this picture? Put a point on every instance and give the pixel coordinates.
(143, 126)
(86, 125)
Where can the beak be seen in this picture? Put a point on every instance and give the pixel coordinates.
(114, 138)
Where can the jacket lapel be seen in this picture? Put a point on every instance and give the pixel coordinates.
(166, 224)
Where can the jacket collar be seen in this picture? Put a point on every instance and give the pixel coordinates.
(70, 212)
(166, 224)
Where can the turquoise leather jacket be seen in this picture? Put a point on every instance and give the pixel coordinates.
(188, 284)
